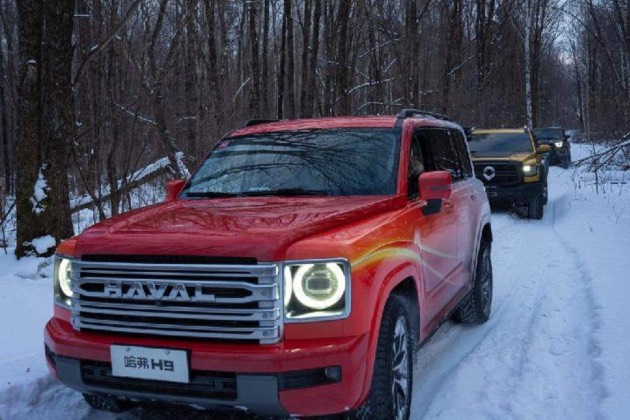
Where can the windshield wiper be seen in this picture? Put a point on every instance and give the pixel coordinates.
(285, 192)
(210, 194)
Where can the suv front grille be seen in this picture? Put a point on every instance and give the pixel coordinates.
(212, 301)
(505, 173)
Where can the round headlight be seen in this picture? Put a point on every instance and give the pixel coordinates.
(319, 286)
(64, 277)
(559, 144)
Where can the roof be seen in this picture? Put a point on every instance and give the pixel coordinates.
(387, 121)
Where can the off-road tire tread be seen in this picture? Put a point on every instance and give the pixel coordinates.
(470, 310)
(378, 403)
(535, 208)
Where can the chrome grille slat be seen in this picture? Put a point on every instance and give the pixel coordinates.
(257, 292)
(159, 312)
(167, 308)
(259, 270)
(213, 301)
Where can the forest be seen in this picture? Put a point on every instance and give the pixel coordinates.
(100, 97)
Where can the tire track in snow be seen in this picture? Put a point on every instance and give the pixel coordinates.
(454, 350)
(586, 283)
(531, 359)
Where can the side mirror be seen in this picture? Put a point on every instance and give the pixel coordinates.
(434, 187)
(173, 188)
(544, 148)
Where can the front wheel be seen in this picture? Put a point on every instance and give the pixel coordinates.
(535, 208)
(392, 381)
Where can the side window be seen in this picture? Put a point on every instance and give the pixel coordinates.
(459, 143)
(443, 156)
(416, 162)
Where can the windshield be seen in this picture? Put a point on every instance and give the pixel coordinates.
(500, 144)
(548, 135)
(310, 162)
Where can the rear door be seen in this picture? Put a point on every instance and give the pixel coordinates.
(469, 196)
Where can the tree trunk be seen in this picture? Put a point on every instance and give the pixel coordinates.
(281, 70)
(265, 60)
(342, 79)
(254, 98)
(28, 145)
(58, 113)
(4, 134)
(528, 65)
(45, 118)
(291, 108)
(304, 82)
(310, 88)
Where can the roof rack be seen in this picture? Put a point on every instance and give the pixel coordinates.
(406, 113)
(258, 121)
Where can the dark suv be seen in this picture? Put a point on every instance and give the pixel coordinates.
(555, 138)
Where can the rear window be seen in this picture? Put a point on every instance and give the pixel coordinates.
(500, 144)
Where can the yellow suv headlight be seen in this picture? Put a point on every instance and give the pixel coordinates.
(530, 170)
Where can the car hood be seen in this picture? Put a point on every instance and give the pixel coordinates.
(518, 157)
(259, 227)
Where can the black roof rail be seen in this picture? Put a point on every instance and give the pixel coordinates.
(406, 113)
(258, 121)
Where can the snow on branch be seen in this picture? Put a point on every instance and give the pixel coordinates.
(616, 156)
(136, 179)
(134, 114)
(368, 84)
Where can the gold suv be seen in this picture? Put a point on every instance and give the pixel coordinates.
(512, 167)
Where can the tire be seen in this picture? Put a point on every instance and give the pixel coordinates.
(535, 209)
(392, 380)
(476, 306)
(545, 194)
(566, 162)
(106, 403)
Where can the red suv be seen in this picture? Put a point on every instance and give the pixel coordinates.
(293, 274)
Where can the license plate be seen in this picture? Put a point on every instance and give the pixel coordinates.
(492, 191)
(150, 363)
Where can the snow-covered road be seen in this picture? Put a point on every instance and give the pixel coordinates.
(556, 346)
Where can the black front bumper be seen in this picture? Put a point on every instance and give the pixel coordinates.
(519, 194)
(257, 393)
(558, 156)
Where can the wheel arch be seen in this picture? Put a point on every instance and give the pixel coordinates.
(404, 284)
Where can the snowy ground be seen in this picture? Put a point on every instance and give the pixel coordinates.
(556, 346)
